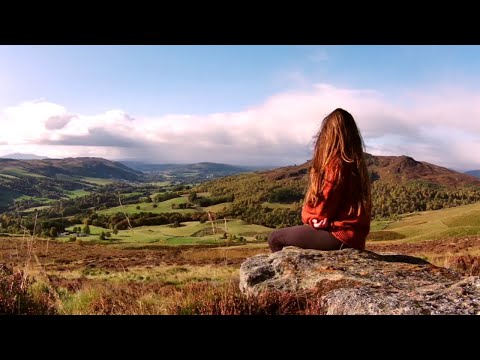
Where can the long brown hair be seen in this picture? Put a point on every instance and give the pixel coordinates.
(338, 144)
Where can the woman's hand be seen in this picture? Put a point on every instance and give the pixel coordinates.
(320, 224)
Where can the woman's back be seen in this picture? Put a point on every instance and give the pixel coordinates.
(337, 206)
(348, 218)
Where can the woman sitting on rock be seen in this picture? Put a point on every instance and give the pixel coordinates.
(337, 207)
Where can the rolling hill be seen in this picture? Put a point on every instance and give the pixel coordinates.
(400, 185)
(50, 179)
(391, 170)
(203, 167)
(190, 172)
(75, 167)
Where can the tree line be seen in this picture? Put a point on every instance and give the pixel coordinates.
(247, 197)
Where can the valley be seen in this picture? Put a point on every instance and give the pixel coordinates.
(151, 249)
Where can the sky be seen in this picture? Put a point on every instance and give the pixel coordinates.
(245, 105)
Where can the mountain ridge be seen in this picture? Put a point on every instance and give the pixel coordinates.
(390, 169)
(204, 165)
(78, 166)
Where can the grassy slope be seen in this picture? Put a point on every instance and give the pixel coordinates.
(76, 193)
(217, 207)
(19, 172)
(38, 208)
(97, 181)
(458, 221)
(278, 205)
(12, 172)
(164, 206)
(378, 225)
(165, 235)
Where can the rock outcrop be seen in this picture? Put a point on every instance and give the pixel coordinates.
(352, 282)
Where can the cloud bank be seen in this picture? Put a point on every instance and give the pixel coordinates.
(441, 126)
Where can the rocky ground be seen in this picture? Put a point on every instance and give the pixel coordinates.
(363, 282)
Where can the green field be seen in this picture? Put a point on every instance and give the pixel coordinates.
(39, 199)
(66, 177)
(160, 183)
(437, 224)
(377, 225)
(19, 172)
(94, 230)
(97, 181)
(76, 193)
(217, 207)
(241, 228)
(192, 232)
(277, 205)
(36, 208)
(164, 206)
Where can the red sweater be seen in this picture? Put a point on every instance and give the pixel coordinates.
(335, 205)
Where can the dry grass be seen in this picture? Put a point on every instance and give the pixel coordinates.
(159, 290)
(25, 288)
(465, 264)
(21, 294)
(187, 281)
(201, 298)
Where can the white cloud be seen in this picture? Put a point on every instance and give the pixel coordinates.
(441, 126)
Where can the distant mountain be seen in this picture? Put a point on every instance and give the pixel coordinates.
(52, 178)
(20, 156)
(393, 170)
(401, 169)
(75, 167)
(400, 185)
(475, 173)
(198, 171)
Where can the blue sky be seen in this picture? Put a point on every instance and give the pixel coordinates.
(265, 102)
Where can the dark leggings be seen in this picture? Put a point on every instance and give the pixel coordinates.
(303, 236)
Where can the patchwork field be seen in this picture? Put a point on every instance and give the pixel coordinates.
(190, 233)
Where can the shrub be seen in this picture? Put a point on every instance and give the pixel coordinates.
(207, 299)
(16, 297)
